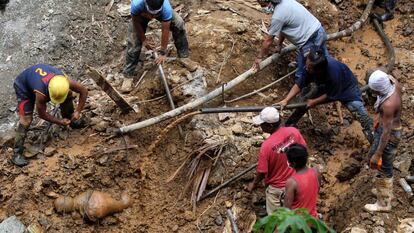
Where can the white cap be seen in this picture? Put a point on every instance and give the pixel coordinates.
(267, 115)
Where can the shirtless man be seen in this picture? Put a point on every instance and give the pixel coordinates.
(387, 136)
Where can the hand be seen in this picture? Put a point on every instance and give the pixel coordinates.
(376, 161)
(64, 122)
(282, 104)
(310, 103)
(278, 48)
(148, 44)
(161, 59)
(251, 186)
(256, 65)
(75, 116)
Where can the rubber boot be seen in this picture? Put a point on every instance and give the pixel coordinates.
(17, 157)
(384, 196)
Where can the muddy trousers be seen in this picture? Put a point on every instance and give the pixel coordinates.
(388, 155)
(273, 199)
(134, 44)
(356, 108)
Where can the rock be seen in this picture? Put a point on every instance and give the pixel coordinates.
(218, 220)
(101, 126)
(127, 85)
(365, 216)
(225, 116)
(406, 226)
(358, 230)
(49, 151)
(189, 216)
(175, 228)
(124, 9)
(52, 194)
(175, 79)
(189, 64)
(411, 209)
(237, 129)
(379, 229)
(349, 171)
(403, 164)
(12, 225)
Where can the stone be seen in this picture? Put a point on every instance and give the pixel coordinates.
(49, 151)
(358, 230)
(101, 126)
(12, 225)
(365, 216)
(403, 164)
(189, 64)
(175, 79)
(218, 220)
(189, 216)
(175, 228)
(124, 9)
(411, 209)
(224, 116)
(127, 85)
(379, 230)
(237, 129)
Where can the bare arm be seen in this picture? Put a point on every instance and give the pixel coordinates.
(281, 40)
(291, 187)
(259, 176)
(83, 93)
(316, 101)
(386, 119)
(292, 93)
(267, 42)
(138, 28)
(165, 34)
(41, 110)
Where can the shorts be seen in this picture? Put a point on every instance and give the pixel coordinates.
(25, 103)
(273, 198)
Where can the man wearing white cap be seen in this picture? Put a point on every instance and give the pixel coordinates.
(273, 164)
(387, 136)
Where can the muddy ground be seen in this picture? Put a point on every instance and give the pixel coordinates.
(84, 34)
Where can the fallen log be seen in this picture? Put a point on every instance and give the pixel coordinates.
(218, 91)
(109, 90)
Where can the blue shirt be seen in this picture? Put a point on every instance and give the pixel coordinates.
(35, 79)
(339, 81)
(138, 7)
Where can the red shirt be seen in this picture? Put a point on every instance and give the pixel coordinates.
(272, 161)
(307, 191)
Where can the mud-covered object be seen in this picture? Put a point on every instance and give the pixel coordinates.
(92, 205)
(3, 4)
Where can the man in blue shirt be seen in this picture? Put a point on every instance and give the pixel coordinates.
(334, 82)
(36, 86)
(142, 11)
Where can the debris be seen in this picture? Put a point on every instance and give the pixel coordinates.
(34, 228)
(231, 217)
(108, 89)
(124, 10)
(403, 164)
(406, 226)
(225, 116)
(189, 64)
(52, 194)
(406, 187)
(126, 85)
(92, 204)
(349, 171)
(101, 126)
(237, 129)
(49, 151)
(109, 6)
(12, 225)
(128, 147)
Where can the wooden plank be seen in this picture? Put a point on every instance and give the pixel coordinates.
(109, 90)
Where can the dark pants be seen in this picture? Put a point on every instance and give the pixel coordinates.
(389, 5)
(389, 152)
(356, 108)
(135, 44)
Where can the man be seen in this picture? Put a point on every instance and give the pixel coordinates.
(303, 187)
(38, 85)
(387, 136)
(389, 6)
(272, 165)
(3, 4)
(142, 12)
(334, 82)
(293, 21)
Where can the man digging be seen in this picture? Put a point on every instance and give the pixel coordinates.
(387, 136)
(293, 21)
(334, 82)
(38, 85)
(273, 164)
(142, 11)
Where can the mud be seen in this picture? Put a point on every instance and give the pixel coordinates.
(80, 33)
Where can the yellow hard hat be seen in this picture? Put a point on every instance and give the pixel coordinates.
(58, 89)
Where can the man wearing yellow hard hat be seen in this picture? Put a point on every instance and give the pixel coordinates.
(36, 86)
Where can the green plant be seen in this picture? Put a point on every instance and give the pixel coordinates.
(292, 221)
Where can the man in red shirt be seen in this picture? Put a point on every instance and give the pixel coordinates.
(273, 165)
(302, 188)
